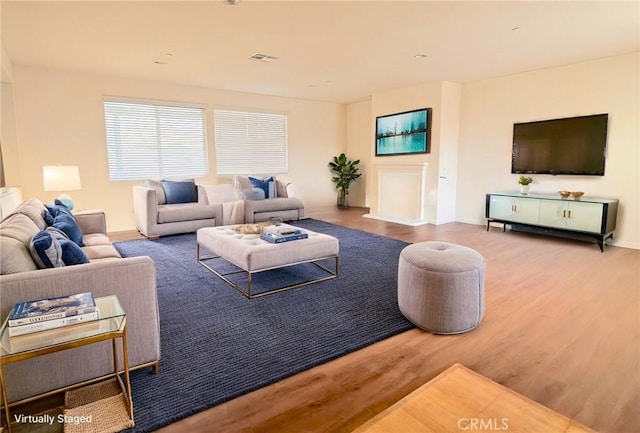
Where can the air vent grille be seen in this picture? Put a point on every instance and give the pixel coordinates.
(264, 58)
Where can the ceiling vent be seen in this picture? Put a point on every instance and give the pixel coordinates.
(263, 58)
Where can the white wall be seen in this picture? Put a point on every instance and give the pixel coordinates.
(491, 107)
(448, 160)
(60, 120)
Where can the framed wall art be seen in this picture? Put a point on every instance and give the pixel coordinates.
(404, 133)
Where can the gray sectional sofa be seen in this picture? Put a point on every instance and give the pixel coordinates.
(132, 280)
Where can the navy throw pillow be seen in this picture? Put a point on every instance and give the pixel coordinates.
(180, 192)
(72, 254)
(48, 214)
(69, 226)
(46, 250)
(268, 185)
(52, 211)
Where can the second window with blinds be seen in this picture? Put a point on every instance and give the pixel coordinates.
(250, 142)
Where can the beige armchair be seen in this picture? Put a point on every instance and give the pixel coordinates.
(154, 217)
(257, 209)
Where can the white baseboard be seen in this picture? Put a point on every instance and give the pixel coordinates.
(397, 220)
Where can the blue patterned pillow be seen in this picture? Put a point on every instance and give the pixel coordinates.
(72, 254)
(69, 226)
(46, 250)
(268, 185)
(180, 192)
(253, 194)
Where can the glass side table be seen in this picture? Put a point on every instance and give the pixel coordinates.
(110, 326)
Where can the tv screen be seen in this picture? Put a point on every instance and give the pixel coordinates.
(573, 145)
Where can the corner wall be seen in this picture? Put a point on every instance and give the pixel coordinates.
(444, 99)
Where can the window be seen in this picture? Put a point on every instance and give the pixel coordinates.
(150, 141)
(250, 143)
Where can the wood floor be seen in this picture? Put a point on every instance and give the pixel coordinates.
(561, 327)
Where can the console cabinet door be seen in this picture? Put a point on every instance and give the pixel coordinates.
(514, 209)
(553, 213)
(585, 217)
(573, 215)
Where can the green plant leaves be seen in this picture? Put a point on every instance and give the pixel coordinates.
(346, 171)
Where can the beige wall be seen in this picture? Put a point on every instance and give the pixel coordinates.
(491, 107)
(60, 120)
(9, 159)
(359, 144)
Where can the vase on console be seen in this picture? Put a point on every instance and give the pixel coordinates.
(524, 182)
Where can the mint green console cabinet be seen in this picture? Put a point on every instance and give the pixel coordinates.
(551, 214)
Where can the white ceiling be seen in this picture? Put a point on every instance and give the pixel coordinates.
(327, 50)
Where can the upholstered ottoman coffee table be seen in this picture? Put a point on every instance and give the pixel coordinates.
(252, 254)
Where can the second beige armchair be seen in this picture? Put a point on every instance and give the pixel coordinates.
(272, 202)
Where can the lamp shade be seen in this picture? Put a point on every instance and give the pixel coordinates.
(61, 178)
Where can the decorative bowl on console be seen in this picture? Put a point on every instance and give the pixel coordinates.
(564, 194)
(577, 194)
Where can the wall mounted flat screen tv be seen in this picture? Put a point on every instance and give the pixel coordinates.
(575, 145)
(404, 133)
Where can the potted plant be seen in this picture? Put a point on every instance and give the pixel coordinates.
(524, 182)
(346, 172)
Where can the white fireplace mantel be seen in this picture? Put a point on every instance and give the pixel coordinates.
(401, 193)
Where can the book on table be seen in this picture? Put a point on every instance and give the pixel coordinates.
(30, 328)
(42, 310)
(283, 235)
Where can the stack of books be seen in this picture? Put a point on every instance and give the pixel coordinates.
(283, 235)
(43, 314)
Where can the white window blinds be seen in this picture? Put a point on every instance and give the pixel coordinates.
(149, 141)
(250, 143)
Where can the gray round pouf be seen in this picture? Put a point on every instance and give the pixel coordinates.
(441, 286)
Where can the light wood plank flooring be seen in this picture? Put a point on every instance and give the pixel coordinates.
(562, 327)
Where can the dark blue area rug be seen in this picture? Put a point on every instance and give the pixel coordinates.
(217, 345)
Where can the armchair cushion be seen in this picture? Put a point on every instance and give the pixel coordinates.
(180, 192)
(185, 212)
